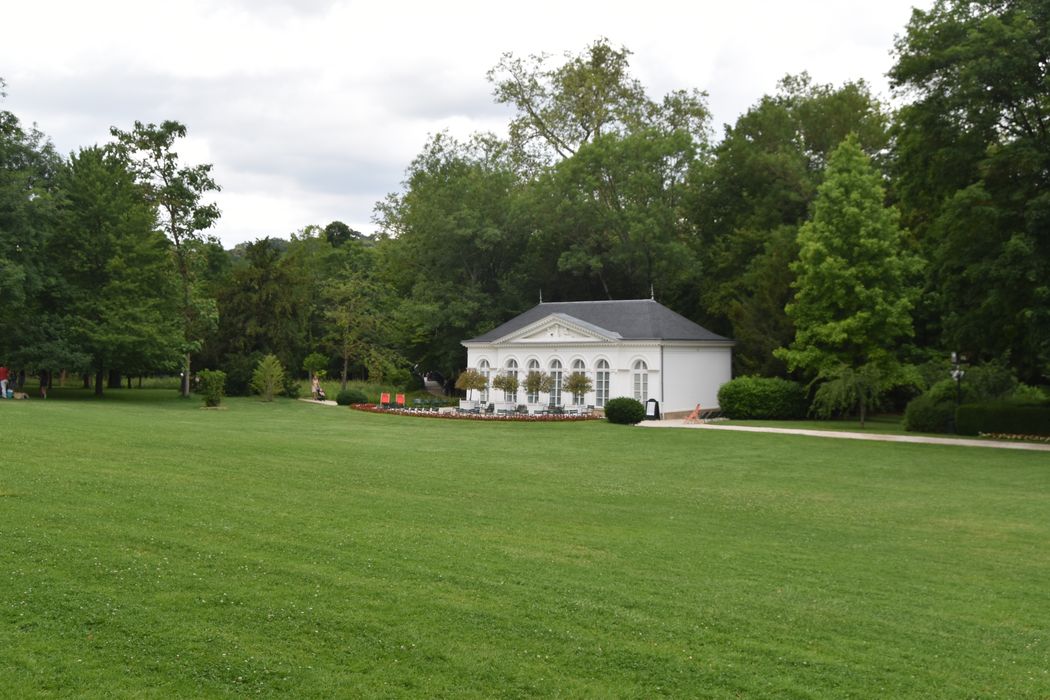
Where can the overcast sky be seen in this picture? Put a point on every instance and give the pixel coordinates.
(310, 110)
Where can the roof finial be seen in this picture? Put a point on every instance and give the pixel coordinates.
(541, 296)
(652, 292)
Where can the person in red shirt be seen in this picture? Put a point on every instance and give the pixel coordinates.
(3, 381)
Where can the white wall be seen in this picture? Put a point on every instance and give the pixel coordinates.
(696, 374)
(689, 375)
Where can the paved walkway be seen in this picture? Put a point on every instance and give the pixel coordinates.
(323, 403)
(842, 435)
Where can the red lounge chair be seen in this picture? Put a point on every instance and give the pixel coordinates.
(384, 400)
(400, 400)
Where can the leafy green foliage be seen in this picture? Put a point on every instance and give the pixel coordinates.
(577, 384)
(347, 397)
(212, 386)
(471, 380)
(507, 383)
(767, 398)
(118, 289)
(624, 410)
(268, 378)
(970, 166)
(854, 289)
(177, 194)
(315, 364)
(929, 413)
(749, 200)
(536, 382)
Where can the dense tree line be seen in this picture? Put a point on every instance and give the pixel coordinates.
(833, 238)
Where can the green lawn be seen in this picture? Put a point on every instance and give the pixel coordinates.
(149, 548)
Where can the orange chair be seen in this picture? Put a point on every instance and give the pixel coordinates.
(384, 400)
(400, 400)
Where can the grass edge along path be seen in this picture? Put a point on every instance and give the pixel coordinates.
(848, 435)
(155, 549)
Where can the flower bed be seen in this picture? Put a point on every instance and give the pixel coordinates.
(1011, 436)
(461, 415)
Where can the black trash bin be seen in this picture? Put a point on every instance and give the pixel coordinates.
(652, 409)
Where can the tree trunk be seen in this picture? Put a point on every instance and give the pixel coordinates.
(346, 364)
(185, 390)
(98, 382)
(114, 379)
(87, 380)
(129, 381)
(863, 410)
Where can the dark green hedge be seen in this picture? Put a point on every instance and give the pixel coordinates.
(350, 396)
(929, 414)
(1014, 418)
(764, 398)
(624, 410)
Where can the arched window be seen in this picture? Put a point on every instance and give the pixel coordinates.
(577, 368)
(484, 368)
(601, 383)
(511, 371)
(641, 380)
(533, 397)
(555, 382)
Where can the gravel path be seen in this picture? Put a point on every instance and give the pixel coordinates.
(842, 435)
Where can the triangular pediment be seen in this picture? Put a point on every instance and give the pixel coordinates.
(559, 328)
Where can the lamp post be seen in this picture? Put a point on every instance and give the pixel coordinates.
(957, 374)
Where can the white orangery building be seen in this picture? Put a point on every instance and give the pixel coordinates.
(637, 348)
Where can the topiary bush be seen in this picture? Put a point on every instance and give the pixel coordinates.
(625, 411)
(211, 386)
(764, 398)
(929, 413)
(350, 396)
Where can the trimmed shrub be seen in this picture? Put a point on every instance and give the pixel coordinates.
(350, 396)
(1007, 417)
(625, 411)
(211, 386)
(929, 414)
(268, 378)
(763, 398)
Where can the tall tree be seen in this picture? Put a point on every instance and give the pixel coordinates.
(854, 289)
(178, 192)
(750, 199)
(453, 241)
(609, 221)
(117, 291)
(266, 305)
(972, 167)
(28, 167)
(590, 95)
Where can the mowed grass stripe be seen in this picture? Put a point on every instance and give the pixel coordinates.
(153, 548)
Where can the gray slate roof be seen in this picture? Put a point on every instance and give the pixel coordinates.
(632, 319)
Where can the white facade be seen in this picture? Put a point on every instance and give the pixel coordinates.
(678, 373)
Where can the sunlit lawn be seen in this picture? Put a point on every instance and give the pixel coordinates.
(149, 548)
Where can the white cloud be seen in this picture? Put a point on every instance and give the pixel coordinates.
(311, 110)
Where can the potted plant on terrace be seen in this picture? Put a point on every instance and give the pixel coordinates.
(508, 384)
(536, 382)
(470, 380)
(578, 384)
